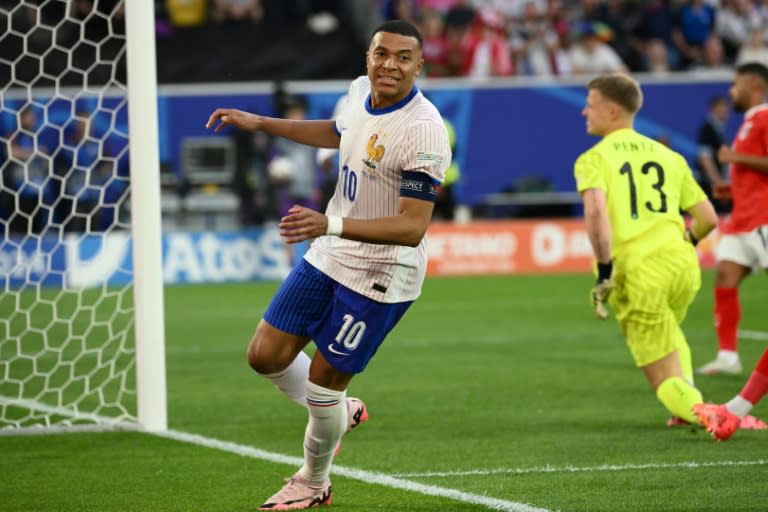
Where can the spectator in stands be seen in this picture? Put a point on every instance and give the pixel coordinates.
(360, 18)
(250, 181)
(248, 11)
(755, 49)
(758, 15)
(732, 26)
(693, 25)
(405, 10)
(561, 55)
(712, 56)
(111, 189)
(711, 136)
(621, 17)
(656, 22)
(78, 163)
(656, 57)
(27, 173)
(303, 185)
(435, 44)
(298, 184)
(592, 55)
(439, 6)
(533, 42)
(487, 51)
(459, 17)
(557, 16)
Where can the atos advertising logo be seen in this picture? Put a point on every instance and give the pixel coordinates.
(77, 261)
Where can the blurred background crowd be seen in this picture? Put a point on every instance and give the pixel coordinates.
(225, 40)
(462, 38)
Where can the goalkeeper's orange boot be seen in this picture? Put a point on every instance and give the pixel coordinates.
(300, 494)
(718, 420)
(357, 414)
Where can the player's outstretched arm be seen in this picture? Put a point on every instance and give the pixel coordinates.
(317, 133)
(728, 156)
(408, 227)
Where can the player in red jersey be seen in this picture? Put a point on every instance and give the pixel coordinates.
(744, 244)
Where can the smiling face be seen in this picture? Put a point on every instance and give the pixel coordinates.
(393, 62)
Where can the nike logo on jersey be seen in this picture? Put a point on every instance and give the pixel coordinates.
(333, 350)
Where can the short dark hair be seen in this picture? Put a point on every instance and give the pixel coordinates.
(755, 69)
(400, 27)
(619, 88)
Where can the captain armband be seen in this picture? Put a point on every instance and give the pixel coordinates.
(419, 185)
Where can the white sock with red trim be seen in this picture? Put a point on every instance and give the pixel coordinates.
(327, 424)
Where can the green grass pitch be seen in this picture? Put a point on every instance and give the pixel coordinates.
(498, 391)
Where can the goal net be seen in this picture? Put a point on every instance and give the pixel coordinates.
(81, 330)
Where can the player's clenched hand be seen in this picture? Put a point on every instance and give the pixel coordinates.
(230, 116)
(302, 224)
(600, 294)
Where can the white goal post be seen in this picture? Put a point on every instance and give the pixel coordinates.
(80, 348)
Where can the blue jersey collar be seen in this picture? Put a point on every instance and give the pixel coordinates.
(391, 108)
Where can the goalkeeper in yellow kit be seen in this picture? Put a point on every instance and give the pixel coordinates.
(633, 189)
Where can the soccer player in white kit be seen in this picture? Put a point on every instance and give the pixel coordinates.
(369, 257)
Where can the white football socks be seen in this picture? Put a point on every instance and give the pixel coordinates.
(739, 406)
(327, 424)
(293, 380)
(729, 357)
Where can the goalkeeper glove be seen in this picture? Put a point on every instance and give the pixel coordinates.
(602, 289)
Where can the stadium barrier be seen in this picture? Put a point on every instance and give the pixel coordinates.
(521, 246)
(474, 248)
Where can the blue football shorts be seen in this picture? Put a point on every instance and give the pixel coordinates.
(347, 327)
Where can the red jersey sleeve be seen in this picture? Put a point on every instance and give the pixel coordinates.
(749, 187)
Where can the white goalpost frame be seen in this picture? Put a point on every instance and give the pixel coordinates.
(147, 306)
(146, 226)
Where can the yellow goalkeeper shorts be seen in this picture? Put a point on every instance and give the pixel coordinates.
(651, 299)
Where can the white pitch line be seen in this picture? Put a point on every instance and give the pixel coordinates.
(583, 469)
(356, 474)
(753, 335)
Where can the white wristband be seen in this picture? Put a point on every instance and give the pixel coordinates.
(335, 226)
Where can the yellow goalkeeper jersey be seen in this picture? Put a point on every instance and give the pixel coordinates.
(646, 186)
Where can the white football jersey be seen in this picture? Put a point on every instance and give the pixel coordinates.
(376, 146)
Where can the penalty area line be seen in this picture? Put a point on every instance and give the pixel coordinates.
(583, 469)
(753, 335)
(369, 477)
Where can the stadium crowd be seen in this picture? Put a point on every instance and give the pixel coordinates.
(486, 38)
(477, 38)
